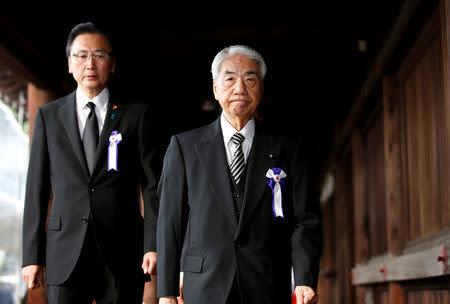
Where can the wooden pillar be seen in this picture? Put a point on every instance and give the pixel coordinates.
(445, 38)
(344, 232)
(360, 210)
(327, 279)
(36, 98)
(395, 203)
(360, 213)
(397, 293)
(396, 221)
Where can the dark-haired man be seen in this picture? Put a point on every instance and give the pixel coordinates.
(91, 153)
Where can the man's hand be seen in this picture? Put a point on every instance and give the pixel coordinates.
(180, 298)
(34, 276)
(305, 295)
(149, 263)
(168, 300)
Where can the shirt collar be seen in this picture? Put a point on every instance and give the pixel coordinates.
(228, 130)
(100, 101)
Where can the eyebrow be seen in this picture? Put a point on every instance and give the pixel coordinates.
(251, 72)
(94, 51)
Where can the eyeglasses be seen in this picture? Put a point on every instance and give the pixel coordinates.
(98, 56)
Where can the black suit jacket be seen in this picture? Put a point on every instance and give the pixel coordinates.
(108, 199)
(196, 205)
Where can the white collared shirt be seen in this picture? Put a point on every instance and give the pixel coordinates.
(101, 106)
(228, 131)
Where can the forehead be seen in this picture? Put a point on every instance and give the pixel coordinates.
(239, 64)
(91, 41)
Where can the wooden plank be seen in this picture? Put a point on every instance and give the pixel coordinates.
(422, 43)
(370, 273)
(360, 211)
(397, 293)
(425, 143)
(327, 278)
(343, 232)
(17, 67)
(423, 264)
(419, 265)
(395, 205)
(376, 187)
(445, 43)
(360, 294)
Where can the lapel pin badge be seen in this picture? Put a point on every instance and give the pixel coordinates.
(113, 115)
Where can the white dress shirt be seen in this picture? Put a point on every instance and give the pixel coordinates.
(228, 131)
(101, 106)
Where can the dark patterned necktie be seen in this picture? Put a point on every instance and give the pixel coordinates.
(238, 163)
(90, 136)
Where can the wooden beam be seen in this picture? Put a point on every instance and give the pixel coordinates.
(445, 38)
(391, 44)
(397, 293)
(16, 67)
(421, 264)
(343, 232)
(395, 204)
(36, 98)
(360, 210)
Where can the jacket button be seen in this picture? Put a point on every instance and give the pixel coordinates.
(84, 219)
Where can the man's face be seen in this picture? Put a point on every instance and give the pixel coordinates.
(239, 87)
(90, 73)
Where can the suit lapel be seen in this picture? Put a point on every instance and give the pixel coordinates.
(68, 116)
(259, 162)
(211, 153)
(113, 115)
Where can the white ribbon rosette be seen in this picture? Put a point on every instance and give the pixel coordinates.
(114, 141)
(276, 182)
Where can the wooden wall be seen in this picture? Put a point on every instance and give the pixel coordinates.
(391, 201)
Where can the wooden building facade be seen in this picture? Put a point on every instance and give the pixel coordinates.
(387, 222)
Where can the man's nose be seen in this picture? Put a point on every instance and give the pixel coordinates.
(90, 62)
(239, 87)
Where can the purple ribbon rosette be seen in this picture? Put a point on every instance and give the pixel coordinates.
(276, 182)
(114, 141)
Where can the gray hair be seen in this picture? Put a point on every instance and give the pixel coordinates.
(234, 50)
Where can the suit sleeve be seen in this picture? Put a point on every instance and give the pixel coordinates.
(171, 220)
(37, 197)
(151, 159)
(307, 236)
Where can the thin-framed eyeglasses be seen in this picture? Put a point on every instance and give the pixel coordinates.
(98, 56)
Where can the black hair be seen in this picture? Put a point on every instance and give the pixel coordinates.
(83, 28)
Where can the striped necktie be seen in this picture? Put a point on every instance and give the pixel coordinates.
(238, 163)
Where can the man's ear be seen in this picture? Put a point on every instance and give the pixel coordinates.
(69, 64)
(215, 89)
(113, 66)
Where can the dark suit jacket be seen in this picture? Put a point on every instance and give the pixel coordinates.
(109, 199)
(196, 205)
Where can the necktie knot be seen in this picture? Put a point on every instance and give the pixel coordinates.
(91, 106)
(237, 138)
